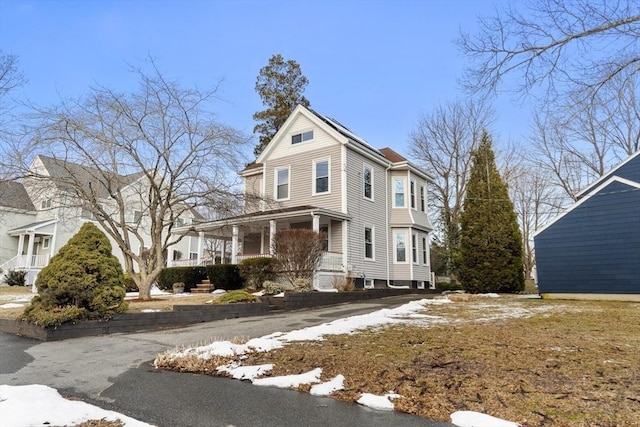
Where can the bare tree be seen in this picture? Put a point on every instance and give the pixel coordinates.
(443, 141)
(157, 151)
(557, 45)
(10, 76)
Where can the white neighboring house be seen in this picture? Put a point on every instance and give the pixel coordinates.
(317, 174)
(37, 219)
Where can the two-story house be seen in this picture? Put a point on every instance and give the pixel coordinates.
(42, 212)
(370, 204)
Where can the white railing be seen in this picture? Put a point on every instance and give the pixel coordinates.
(24, 262)
(330, 261)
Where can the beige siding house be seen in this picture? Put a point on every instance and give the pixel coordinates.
(317, 174)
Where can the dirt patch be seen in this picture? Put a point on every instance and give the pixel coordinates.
(535, 362)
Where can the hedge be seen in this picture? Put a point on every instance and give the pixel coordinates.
(223, 276)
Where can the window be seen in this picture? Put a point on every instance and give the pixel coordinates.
(368, 243)
(424, 251)
(401, 247)
(413, 194)
(45, 242)
(398, 187)
(414, 248)
(45, 204)
(324, 235)
(422, 200)
(178, 222)
(193, 255)
(367, 179)
(301, 137)
(321, 174)
(282, 184)
(137, 216)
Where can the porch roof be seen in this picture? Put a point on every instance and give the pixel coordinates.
(263, 216)
(31, 227)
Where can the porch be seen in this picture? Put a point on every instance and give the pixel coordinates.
(35, 245)
(330, 261)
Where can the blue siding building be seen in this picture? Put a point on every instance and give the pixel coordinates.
(592, 250)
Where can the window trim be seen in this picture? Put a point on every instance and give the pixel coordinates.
(425, 259)
(396, 234)
(412, 194)
(364, 183)
(314, 182)
(302, 136)
(414, 248)
(395, 193)
(368, 283)
(372, 243)
(277, 170)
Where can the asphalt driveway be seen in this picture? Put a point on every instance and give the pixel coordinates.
(114, 372)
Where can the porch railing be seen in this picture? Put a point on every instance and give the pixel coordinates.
(330, 261)
(24, 262)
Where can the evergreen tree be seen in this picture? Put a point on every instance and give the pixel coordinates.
(82, 281)
(280, 85)
(490, 258)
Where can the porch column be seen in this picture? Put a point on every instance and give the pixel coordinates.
(30, 248)
(20, 244)
(316, 223)
(234, 245)
(200, 244)
(272, 235)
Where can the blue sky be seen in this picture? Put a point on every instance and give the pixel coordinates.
(373, 65)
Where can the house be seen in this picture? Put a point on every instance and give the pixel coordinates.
(592, 250)
(370, 204)
(39, 215)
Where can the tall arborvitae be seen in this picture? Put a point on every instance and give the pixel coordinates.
(490, 258)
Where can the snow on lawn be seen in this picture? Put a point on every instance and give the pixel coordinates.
(37, 405)
(409, 313)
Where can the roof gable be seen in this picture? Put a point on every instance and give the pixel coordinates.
(635, 186)
(628, 169)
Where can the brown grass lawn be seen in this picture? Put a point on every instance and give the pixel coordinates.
(561, 363)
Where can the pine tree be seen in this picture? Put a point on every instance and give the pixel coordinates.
(82, 281)
(490, 258)
(280, 85)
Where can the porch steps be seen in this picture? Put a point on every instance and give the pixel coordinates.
(205, 287)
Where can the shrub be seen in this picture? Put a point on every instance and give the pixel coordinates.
(448, 286)
(237, 296)
(84, 280)
(255, 271)
(301, 284)
(129, 284)
(343, 284)
(298, 252)
(223, 276)
(272, 288)
(16, 278)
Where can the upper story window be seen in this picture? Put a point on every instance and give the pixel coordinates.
(422, 198)
(301, 137)
(45, 204)
(321, 177)
(282, 184)
(137, 216)
(178, 222)
(413, 194)
(425, 261)
(398, 192)
(367, 180)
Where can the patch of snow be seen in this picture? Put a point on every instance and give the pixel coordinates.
(280, 295)
(218, 291)
(326, 388)
(331, 290)
(381, 403)
(11, 305)
(477, 419)
(489, 295)
(259, 293)
(290, 381)
(36, 405)
(150, 310)
(245, 372)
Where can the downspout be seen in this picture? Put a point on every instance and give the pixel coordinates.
(387, 219)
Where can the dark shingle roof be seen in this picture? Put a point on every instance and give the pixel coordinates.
(13, 195)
